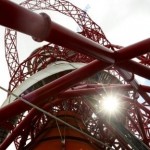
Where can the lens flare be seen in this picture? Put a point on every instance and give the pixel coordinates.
(110, 104)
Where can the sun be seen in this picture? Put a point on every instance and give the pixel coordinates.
(110, 104)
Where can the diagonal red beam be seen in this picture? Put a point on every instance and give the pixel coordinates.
(51, 89)
(77, 41)
(134, 123)
(100, 85)
(88, 47)
(93, 90)
(34, 112)
(130, 79)
(41, 27)
(18, 130)
(145, 88)
(67, 94)
(82, 44)
(133, 50)
(138, 107)
(137, 104)
(16, 17)
(121, 140)
(141, 125)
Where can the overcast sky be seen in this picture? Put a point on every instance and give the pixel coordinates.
(123, 22)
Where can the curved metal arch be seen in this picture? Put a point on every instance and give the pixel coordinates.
(89, 28)
(135, 115)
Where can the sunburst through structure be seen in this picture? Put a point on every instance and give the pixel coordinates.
(110, 104)
(78, 92)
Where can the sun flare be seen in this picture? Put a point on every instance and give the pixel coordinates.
(110, 104)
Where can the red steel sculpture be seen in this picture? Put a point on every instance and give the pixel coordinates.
(56, 95)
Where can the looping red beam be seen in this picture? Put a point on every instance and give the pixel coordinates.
(42, 28)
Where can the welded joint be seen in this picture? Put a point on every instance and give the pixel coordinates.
(46, 28)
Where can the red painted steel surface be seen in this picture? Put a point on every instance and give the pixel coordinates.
(84, 48)
(76, 41)
(51, 89)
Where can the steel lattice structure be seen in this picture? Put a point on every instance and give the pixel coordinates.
(68, 78)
